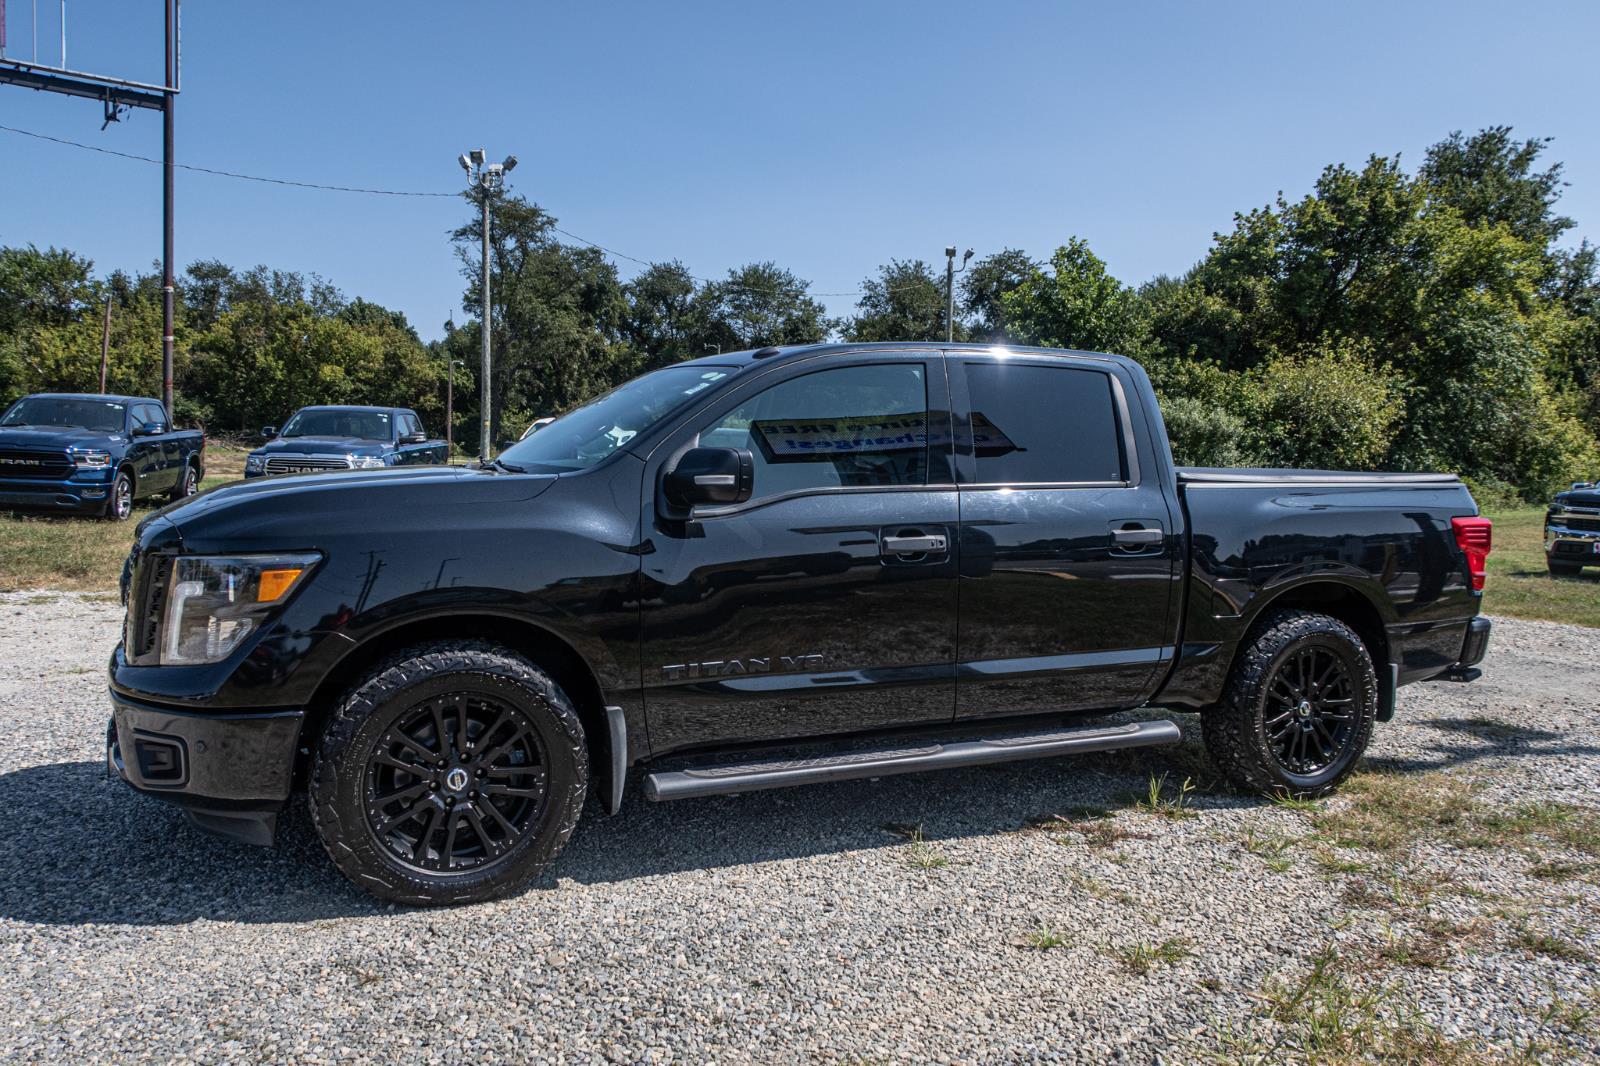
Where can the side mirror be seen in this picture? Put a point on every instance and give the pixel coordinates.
(413, 438)
(711, 475)
(268, 432)
(148, 429)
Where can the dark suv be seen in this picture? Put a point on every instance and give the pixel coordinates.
(1572, 529)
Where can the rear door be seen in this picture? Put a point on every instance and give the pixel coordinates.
(1069, 558)
(800, 613)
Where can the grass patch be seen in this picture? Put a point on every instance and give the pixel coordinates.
(1520, 584)
(1141, 958)
(81, 553)
(1550, 945)
(1045, 938)
(1386, 812)
(918, 854)
(1164, 802)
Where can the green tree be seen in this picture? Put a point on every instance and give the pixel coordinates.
(756, 305)
(983, 290)
(1073, 304)
(905, 302)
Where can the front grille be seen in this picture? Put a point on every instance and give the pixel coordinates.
(1588, 525)
(26, 463)
(288, 464)
(147, 598)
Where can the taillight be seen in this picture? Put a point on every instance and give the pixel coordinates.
(1474, 538)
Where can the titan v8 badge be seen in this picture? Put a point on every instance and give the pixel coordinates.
(731, 667)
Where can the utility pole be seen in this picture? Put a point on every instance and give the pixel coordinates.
(105, 348)
(450, 409)
(117, 96)
(950, 273)
(489, 180)
(168, 282)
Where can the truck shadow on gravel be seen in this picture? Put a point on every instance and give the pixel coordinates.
(87, 850)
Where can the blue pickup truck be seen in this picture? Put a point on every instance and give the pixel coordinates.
(94, 454)
(344, 438)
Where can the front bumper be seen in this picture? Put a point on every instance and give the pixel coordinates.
(1568, 545)
(231, 772)
(66, 497)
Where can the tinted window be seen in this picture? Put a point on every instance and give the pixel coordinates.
(1043, 423)
(409, 423)
(854, 425)
(65, 412)
(146, 413)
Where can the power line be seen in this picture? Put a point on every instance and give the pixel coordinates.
(396, 192)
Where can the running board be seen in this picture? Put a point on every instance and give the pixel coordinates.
(782, 773)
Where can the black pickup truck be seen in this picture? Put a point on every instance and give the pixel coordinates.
(1572, 530)
(761, 569)
(94, 454)
(318, 439)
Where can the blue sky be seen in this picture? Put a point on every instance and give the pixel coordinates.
(829, 137)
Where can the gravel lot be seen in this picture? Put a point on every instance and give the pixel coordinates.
(819, 924)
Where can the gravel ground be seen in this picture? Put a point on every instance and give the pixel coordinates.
(818, 924)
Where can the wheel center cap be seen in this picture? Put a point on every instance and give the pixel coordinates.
(1304, 710)
(456, 780)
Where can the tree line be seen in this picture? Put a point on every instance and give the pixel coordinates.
(1388, 319)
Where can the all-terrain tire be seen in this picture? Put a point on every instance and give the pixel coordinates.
(1237, 731)
(341, 786)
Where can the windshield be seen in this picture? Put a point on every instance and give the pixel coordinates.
(71, 413)
(582, 437)
(331, 422)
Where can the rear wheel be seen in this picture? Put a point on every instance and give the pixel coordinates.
(453, 773)
(1299, 707)
(188, 484)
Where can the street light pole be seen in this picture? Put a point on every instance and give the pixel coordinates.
(168, 281)
(950, 273)
(489, 180)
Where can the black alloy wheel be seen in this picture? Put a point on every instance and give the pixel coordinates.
(1298, 709)
(1310, 716)
(453, 772)
(187, 485)
(456, 782)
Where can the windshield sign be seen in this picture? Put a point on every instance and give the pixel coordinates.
(98, 415)
(584, 436)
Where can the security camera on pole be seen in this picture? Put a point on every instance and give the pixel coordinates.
(489, 179)
(950, 273)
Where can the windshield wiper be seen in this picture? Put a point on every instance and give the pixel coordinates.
(503, 465)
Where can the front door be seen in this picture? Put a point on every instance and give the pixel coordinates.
(1070, 559)
(805, 611)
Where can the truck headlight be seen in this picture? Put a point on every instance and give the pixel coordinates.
(90, 458)
(365, 462)
(215, 601)
(254, 464)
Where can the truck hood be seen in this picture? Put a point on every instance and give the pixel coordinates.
(56, 437)
(301, 511)
(323, 446)
(1579, 498)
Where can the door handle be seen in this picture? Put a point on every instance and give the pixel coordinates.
(917, 545)
(1137, 538)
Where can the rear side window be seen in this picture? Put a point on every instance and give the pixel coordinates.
(1033, 424)
(849, 426)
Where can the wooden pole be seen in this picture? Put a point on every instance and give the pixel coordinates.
(105, 345)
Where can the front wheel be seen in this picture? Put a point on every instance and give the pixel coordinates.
(1299, 707)
(455, 772)
(119, 505)
(1563, 569)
